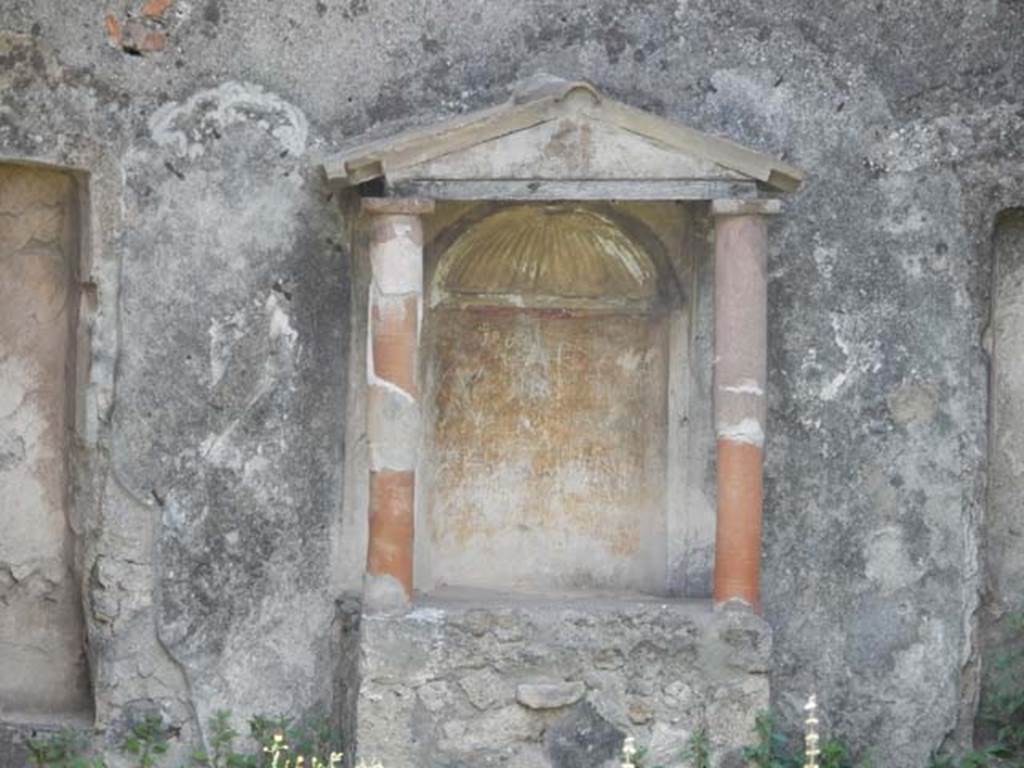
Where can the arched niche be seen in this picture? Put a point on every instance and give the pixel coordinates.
(495, 183)
(545, 367)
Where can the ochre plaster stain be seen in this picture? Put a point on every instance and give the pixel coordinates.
(548, 447)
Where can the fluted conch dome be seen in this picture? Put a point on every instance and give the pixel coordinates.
(546, 255)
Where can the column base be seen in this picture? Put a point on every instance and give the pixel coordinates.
(478, 678)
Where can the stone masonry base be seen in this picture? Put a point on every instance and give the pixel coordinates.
(473, 679)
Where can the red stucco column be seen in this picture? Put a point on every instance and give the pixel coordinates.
(393, 414)
(741, 347)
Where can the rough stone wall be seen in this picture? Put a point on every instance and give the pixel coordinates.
(213, 402)
(478, 678)
(43, 670)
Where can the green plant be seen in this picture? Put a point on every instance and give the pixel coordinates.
(981, 759)
(277, 740)
(147, 741)
(698, 749)
(66, 749)
(772, 748)
(311, 735)
(280, 743)
(222, 744)
(940, 761)
(835, 754)
(279, 751)
(1004, 706)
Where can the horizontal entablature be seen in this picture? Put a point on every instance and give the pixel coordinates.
(573, 189)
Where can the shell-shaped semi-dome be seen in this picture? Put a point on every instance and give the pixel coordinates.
(546, 255)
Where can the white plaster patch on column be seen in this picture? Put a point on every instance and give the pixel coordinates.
(419, 319)
(390, 305)
(383, 592)
(398, 262)
(744, 387)
(393, 427)
(385, 304)
(376, 381)
(746, 431)
(371, 374)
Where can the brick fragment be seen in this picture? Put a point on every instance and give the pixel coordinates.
(113, 27)
(137, 38)
(153, 41)
(155, 9)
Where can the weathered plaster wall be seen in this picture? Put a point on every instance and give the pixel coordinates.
(210, 460)
(244, 497)
(42, 640)
(206, 488)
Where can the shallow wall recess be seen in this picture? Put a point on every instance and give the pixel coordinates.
(1004, 524)
(43, 671)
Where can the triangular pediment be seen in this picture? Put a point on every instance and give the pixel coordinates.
(559, 131)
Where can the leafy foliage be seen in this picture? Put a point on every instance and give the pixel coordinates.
(66, 749)
(698, 750)
(771, 749)
(835, 753)
(147, 741)
(1003, 710)
(307, 736)
(222, 744)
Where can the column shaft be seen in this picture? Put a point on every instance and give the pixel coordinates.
(393, 415)
(741, 343)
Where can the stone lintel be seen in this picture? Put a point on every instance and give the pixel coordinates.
(407, 206)
(575, 189)
(738, 207)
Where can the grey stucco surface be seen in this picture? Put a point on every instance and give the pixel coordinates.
(244, 539)
(210, 469)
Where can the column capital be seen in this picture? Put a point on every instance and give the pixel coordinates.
(405, 206)
(768, 206)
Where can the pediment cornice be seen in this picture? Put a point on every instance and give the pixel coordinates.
(556, 131)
